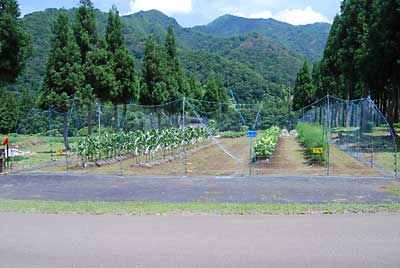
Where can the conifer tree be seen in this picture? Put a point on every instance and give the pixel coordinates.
(303, 91)
(99, 73)
(154, 76)
(126, 89)
(14, 42)
(124, 63)
(196, 89)
(85, 31)
(64, 75)
(214, 93)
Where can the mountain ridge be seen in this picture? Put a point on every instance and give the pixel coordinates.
(264, 62)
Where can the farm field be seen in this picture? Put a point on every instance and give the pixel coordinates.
(289, 160)
(209, 160)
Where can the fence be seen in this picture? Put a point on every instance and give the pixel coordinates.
(190, 137)
(337, 138)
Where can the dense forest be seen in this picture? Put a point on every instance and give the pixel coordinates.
(361, 58)
(68, 56)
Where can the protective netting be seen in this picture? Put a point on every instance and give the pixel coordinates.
(190, 137)
(181, 138)
(338, 138)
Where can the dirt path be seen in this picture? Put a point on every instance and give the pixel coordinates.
(289, 160)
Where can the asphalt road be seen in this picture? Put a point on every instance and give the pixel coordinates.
(72, 241)
(163, 189)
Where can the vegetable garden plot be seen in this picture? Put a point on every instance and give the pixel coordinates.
(181, 138)
(197, 138)
(332, 137)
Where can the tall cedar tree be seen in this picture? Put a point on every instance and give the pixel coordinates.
(154, 76)
(214, 93)
(330, 73)
(127, 89)
(176, 83)
(385, 47)
(196, 90)
(64, 75)
(304, 90)
(99, 73)
(362, 55)
(14, 42)
(85, 31)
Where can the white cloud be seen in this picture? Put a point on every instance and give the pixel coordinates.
(292, 16)
(300, 16)
(266, 14)
(169, 7)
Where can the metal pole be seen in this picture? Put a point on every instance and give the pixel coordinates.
(184, 143)
(237, 107)
(99, 117)
(50, 130)
(329, 136)
(289, 99)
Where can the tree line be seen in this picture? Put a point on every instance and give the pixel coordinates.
(84, 67)
(361, 58)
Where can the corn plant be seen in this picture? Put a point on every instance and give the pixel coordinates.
(138, 143)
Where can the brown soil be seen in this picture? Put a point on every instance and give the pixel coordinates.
(289, 159)
(28, 143)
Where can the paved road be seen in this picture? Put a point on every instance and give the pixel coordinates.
(72, 241)
(260, 190)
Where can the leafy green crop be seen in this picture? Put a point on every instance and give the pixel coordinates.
(138, 143)
(266, 145)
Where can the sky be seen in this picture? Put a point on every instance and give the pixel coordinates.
(189, 13)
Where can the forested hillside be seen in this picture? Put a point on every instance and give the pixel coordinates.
(306, 40)
(260, 64)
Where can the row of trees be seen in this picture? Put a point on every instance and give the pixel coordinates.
(361, 58)
(84, 67)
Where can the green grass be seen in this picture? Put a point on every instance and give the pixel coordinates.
(394, 188)
(155, 208)
(40, 147)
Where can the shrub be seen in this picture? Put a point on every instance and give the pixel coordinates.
(212, 125)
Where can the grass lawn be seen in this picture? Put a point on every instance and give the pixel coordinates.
(39, 148)
(154, 208)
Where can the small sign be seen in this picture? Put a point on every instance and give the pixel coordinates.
(59, 152)
(318, 150)
(5, 141)
(252, 134)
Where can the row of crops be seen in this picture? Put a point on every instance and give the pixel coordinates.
(313, 136)
(266, 145)
(139, 143)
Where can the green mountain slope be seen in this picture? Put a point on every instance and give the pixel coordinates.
(307, 40)
(251, 65)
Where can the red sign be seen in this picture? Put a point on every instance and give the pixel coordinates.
(5, 141)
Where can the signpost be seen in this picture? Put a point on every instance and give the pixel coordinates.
(318, 150)
(252, 134)
(5, 155)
